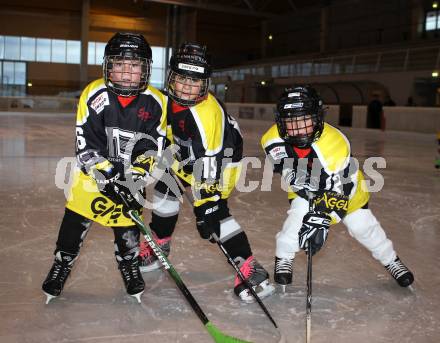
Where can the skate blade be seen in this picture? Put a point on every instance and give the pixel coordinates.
(151, 267)
(137, 296)
(283, 288)
(49, 297)
(266, 289)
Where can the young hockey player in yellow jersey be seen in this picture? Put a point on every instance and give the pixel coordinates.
(314, 159)
(120, 125)
(210, 150)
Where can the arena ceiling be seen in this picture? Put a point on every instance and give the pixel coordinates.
(254, 8)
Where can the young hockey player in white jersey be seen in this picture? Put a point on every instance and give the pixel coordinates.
(120, 123)
(210, 151)
(313, 156)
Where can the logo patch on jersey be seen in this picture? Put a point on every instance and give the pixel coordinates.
(144, 115)
(278, 153)
(182, 125)
(101, 207)
(191, 67)
(100, 102)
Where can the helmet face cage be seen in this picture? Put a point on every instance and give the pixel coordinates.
(127, 64)
(126, 75)
(186, 90)
(189, 76)
(300, 116)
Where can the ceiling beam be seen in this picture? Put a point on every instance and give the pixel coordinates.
(248, 4)
(216, 8)
(292, 4)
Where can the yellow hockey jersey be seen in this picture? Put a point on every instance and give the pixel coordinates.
(327, 167)
(210, 148)
(110, 131)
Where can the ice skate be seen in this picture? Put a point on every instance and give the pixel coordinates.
(54, 283)
(131, 275)
(258, 278)
(283, 272)
(400, 273)
(147, 259)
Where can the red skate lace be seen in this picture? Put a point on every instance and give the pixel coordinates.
(145, 249)
(246, 270)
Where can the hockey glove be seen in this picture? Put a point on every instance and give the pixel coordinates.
(207, 220)
(314, 231)
(109, 184)
(106, 177)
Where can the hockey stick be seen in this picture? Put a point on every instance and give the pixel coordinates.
(309, 282)
(229, 258)
(215, 333)
(309, 296)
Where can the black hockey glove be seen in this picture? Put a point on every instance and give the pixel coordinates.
(314, 231)
(109, 184)
(207, 219)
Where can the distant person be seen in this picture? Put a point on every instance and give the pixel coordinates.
(437, 161)
(120, 119)
(374, 113)
(410, 101)
(388, 101)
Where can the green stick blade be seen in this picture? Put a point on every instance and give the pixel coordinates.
(220, 337)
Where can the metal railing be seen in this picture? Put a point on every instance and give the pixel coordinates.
(425, 58)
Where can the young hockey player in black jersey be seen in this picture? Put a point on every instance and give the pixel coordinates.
(314, 159)
(208, 160)
(120, 125)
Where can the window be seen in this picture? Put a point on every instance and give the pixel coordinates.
(27, 50)
(73, 52)
(157, 77)
(58, 51)
(43, 50)
(16, 48)
(99, 53)
(2, 47)
(20, 73)
(8, 73)
(158, 57)
(91, 53)
(12, 48)
(432, 21)
(14, 73)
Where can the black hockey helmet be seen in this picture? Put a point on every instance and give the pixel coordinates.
(300, 116)
(189, 75)
(127, 55)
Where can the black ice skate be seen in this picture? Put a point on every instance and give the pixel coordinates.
(147, 259)
(400, 273)
(57, 276)
(283, 272)
(131, 275)
(258, 278)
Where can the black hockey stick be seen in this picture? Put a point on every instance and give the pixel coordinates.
(215, 333)
(231, 261)
(309, 282)
(309, 295)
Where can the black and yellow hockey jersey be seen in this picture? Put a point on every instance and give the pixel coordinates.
(326, 166)
(210, 148)
(109, 130)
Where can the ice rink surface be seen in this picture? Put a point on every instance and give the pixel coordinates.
(354, 298)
